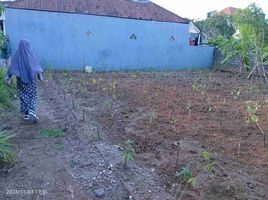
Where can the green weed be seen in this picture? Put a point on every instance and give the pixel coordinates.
(236, 93)
(196, 87)
(128, 151)
(7, 155)
(51, 133)
(187, 176)
(6, 92)
(207, 157)
(58, 147)
(252, 116)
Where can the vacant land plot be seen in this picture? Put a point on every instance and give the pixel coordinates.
(192, 135)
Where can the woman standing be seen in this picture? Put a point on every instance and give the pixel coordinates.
(25, 67)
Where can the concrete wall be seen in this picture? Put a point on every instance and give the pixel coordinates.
(232, 63)
(71, 41)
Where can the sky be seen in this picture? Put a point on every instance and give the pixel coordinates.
(198, 9)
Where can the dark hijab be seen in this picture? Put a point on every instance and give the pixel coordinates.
(24, 64)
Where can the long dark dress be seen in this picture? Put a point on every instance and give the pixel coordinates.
(27, 93)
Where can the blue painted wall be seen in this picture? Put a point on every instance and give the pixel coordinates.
(71, 41)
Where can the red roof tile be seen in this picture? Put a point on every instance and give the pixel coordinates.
(229, 11)
(5, 3)
(113, 8)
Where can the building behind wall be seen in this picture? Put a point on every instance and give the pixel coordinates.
(105, 34)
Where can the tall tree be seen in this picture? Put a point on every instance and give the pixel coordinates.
(250, 43)
(216, 24)
(253, 32)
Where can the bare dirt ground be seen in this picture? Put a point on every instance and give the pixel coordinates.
(172, 118)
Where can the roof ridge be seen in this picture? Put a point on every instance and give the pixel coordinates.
(112, 8)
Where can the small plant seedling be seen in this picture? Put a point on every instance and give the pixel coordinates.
(111, 88)
(94, 81)
(51, 133)
(63, 84)
(199, 88)
(58, 147)
(236, 93)
(75, 103)
(174, 121)
(187, 176)
(253, 117)
(128, 151)
(7, 155)
(209, 166)
(208, 163)
(98, 135)
(152, 117)
(94, 128)
(189, 107)
(253, 89)
(82, 88)
(108, 105)
(251, 111)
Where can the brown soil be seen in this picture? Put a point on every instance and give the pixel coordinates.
(172, 118)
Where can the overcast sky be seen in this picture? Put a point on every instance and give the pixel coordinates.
(194, 9)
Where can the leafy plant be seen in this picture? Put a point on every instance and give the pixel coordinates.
(236, 93)
(233, 48)
(199, 88)
(128, 151)
(7, 154)
(250, 44)
(253, 117)
(253, 89)
(253, 33)
(216, 25)
(187, 175)
(108, 104)
(208, 163)
(152, 117)
(63, 84)
(95, 129)
(6, 92)
(252, 111)
(82, 88)
(94, 81)
(189, 107)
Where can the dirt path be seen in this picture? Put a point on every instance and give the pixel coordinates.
(39, 166)
(74, 166)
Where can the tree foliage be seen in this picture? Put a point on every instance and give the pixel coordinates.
(253, 30)
(216, 25)
(233, 48)
(250, 42)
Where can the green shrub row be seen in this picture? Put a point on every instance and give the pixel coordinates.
(6, 92)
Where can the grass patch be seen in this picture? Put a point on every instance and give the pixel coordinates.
(51, 133)
(7, 154)
(6, 92)
(58, 147)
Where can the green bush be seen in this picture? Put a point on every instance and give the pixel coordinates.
(7, 154)
(6, 92)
